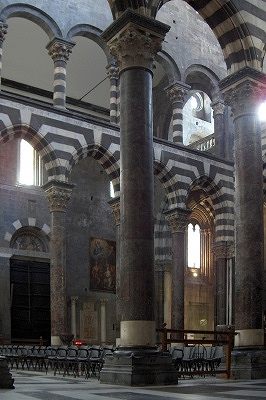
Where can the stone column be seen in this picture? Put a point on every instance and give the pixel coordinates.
(59, 50)
(134, 41)
(115, 205)
(167, 298)
(220, 250)
(3, 32)
(218, 107)
(178, 221)
(176, 93)
(113, 73)
(58, 195)
(74, 300)
(103, 321)
(244, 91)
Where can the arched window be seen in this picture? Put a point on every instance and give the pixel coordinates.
(193, 246)
(30, 165)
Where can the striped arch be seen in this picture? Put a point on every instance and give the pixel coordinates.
(239, 27)
(223, 207)
(169, 183)
(103, 156)
(33, 14)
(162, 236)
(38, 142)
(29, 222)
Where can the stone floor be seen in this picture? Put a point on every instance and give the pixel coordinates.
(38, 386)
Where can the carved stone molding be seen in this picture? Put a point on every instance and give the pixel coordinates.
(177, 219)
(218, 107)
(112, 71)
(3, 31)
(115, 205)
(244, 91)
(223, 250)
(58, 194)
(134, 40)
(177, 92)
(59, 49)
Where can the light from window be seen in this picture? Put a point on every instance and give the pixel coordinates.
(193, 246)
(26, 167)
(112, 191)
(262, 111)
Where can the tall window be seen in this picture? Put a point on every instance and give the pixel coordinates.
(30, 165)
(112, 191)
(193, 246)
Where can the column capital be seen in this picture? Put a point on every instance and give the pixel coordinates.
(177, 91)
(218, 107)
(177, 219)
(60, 49)
(3, 31)
(244, 90)
(134, 40)
(223, 249)
(112, 70)
(115, 205)
(58, 194)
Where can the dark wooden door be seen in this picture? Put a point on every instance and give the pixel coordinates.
(30, 300)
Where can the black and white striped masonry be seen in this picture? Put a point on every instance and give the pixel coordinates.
(3, 32)
(177, 93)
(113, 73)
(59, 50)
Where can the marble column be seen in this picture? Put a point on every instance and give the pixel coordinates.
(134, 40)
(58, 194)
(178, 221)
(3, 32)
(113, 73)
(74, 300)
(220, 251)
(115, 205)
(176, 93)
(59, 50)
(167, 297)
(218, 107)
(244, 90)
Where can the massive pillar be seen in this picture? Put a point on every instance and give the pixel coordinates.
(3, 32)
(134, 40)
(219, 128)
(243, 92)
(58, 195)
(220, 250)
(74, 300)
(178, 220)
(176, 93)
(59, 50)
(113, 73)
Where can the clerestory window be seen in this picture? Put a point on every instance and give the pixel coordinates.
(30, 165)
(193, 246)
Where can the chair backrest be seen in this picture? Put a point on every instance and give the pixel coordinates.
(72, 352)
(187, 352)
(177, 354)
(94, 352)
(61, 351)
(218, 352)
(83, 352)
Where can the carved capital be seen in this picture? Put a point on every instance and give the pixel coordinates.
(112, 71)
(177, 219)
(58, 194)
(74, 299)
(3, 31)
(134, 40)
(59, 49)
(223, 250)
(244, 91)
(218, 107)
(177, 92)
(115, 205)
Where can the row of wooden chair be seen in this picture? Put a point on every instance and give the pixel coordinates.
(198, 359)
(87, 360)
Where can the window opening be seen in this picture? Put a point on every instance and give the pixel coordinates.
(193, 246)
(112, 191)
(30, 165)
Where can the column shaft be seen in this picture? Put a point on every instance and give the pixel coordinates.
(3, 32)
(113, 73)
(219, 127)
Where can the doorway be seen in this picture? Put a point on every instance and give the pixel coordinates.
(30, 301)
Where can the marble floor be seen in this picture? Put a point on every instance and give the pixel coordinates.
(38, 386)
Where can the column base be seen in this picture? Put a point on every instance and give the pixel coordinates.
(56, 341)
(6, 380)
(139, 366)
(248, 363)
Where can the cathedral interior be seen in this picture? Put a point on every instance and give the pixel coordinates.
(132, 150)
